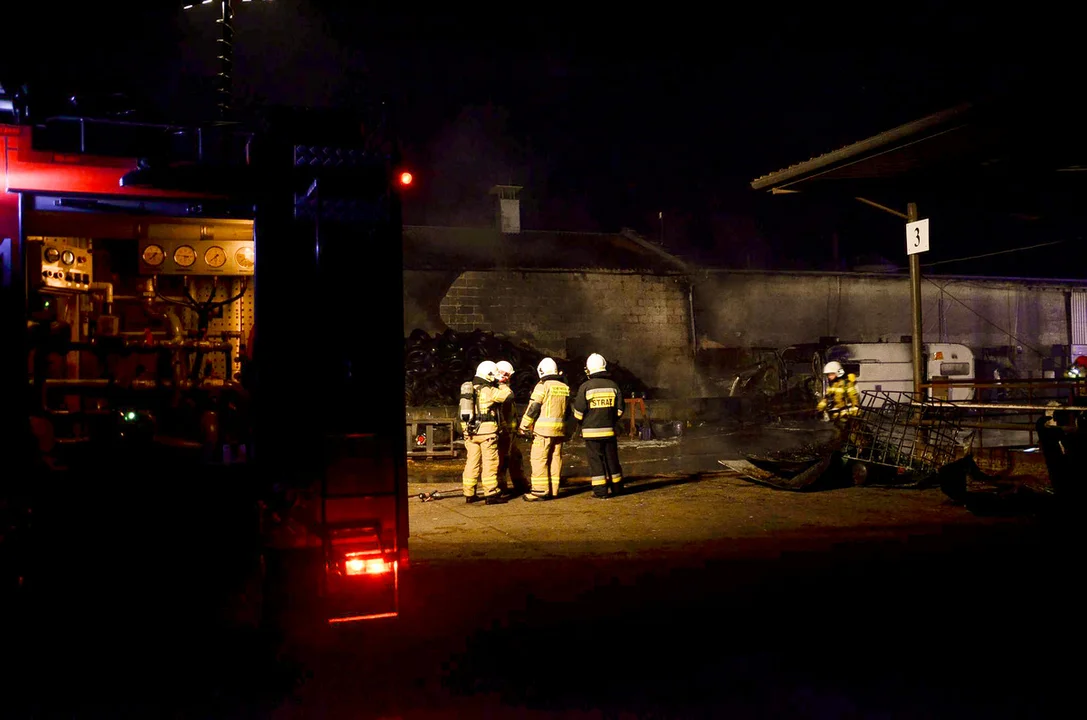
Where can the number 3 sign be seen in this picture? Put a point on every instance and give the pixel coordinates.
(917, 237)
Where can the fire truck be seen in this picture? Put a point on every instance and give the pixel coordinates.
(200, 349)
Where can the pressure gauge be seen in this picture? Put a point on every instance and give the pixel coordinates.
(154, 255)
(215, 256)
(245, 257)
(67, 257)
(52, 254)
(185, 256)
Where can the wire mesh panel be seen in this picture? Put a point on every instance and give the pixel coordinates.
(904, 430)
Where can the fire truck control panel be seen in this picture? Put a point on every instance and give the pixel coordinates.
(225, 248)
(61, 264)
(129, 314)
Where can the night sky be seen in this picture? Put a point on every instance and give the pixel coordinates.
(606, 119)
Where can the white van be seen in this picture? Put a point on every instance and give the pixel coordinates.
(889, 366)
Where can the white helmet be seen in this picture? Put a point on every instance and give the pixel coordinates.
(486, 370)
(503, 370)
(833, 367)
(595, 363)
(547, 367)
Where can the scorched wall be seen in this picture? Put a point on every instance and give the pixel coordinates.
(640, 321)
(644, 322)
(779, 309)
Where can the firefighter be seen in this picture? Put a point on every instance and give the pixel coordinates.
(545, 421)
(1078, 369)
(841, 399)
(598, 407)
(509, 454)
(481, 400)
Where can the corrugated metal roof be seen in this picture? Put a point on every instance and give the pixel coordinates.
(876, 146)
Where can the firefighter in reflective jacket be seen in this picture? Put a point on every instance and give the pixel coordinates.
(841, 399)
(545, 419)
(598, 406)
(509, 455)
(481, 433)
(1078, 369)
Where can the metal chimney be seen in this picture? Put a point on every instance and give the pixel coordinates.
(508, 208)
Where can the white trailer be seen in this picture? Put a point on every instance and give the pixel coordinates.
(889, 366)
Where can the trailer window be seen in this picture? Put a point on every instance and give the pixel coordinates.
(948, 369)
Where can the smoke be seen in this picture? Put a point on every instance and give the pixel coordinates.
(465, 159)
(744, 246)
(480, 148)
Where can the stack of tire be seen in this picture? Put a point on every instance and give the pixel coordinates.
(435, 366)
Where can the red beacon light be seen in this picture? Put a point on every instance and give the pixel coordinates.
(406, 178)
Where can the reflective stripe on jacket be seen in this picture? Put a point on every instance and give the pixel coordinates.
(598, 405)
(546, 413)
(842, 397)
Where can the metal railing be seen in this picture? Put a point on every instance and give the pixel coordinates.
(997, 403)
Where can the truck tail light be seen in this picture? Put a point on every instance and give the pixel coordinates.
(361, 580)
(361, 563)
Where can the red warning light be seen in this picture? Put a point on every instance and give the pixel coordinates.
(406, 178)
(356, 564)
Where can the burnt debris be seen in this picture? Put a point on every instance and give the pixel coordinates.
(436, 365)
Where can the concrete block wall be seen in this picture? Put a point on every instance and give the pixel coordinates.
(643, 321)
(639, 321)
(779, 309)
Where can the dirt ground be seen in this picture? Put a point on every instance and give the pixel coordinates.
(667, 512)
(704, 595)
(696, 594)
(678, 493)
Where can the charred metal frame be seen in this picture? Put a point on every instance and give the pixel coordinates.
(905, 431)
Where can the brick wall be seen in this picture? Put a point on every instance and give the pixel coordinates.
(640, 321)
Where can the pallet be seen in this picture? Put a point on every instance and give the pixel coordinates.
(431, 439)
